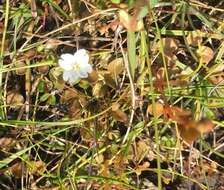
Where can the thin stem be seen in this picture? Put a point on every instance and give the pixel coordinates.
(132, 94)
(159, 172)
(2, 115)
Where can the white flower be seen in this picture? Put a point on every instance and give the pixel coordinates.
(75, 66)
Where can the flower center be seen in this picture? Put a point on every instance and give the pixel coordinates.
(76, 67)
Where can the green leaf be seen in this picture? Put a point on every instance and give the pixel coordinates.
(209, 113)
(52, 100)
(41, 87)
(14, 156)
(44, 97)
(84, 84)
(143, 12)
(153, 3)
(116, 1)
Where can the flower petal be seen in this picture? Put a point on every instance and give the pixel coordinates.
(86, 67)
(70, 76)
(81, 56)
(83, 74)
(66, 61)
(67, 56)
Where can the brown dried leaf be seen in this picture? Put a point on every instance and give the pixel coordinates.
(100, 159)
(205, 126)
(206, 54)
(105, 29)
(185, 121)
(52, 44)
(6, 142)
(14, 98)
(113, 135)
(118, 114)
(43, 69)
(170, 60)
(179, 82)
(190, 130)
(17, 169)
(30, 27)
(217, 79)
(1, 27)
(136, 25)
(160, 75)
(170, 46)
(142, 150)
(130, 23)
(86, 136)
(68, 95)
(194, 38)
(177, 114)
(83, 101)
(75, 109)
(30, 54)
(124, 18)
(106, 173)
(158, 109)
(140, 168)
(99, 90)
(119, 164)
(37, 167)
(93, 76)
(217, 75)
(109, 81)
(20, 70)
(116, 67)
(160, 82)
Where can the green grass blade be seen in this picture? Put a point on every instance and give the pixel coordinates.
(132, 52)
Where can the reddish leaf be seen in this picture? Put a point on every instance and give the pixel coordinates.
(190, 130)
(159, 110)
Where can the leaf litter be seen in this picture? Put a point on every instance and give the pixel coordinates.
(58, 135)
